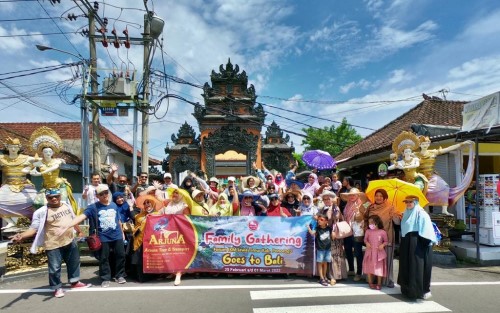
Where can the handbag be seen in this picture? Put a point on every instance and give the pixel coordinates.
(93, 240)
(342, 230)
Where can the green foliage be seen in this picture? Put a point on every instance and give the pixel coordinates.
(332, 139)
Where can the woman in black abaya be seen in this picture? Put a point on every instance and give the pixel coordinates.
(415, 251)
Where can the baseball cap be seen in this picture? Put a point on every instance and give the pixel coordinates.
(101, 187)
(231, 178)
(53, 192)
(167, 175)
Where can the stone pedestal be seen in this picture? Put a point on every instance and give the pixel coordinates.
(445, 223)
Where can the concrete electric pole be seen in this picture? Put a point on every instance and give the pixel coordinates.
(94, 90)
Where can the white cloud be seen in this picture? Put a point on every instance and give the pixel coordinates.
(398, 76)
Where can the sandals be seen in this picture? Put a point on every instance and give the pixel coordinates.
(372, 286)
(378, 287)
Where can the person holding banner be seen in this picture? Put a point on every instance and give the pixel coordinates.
(180, 203)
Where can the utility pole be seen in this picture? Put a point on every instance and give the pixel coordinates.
(145, 105)
(94, 89)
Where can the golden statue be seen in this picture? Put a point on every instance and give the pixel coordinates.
(44, 141)
(405, 144)
(17, 192)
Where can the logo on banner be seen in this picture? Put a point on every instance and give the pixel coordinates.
(253, 225)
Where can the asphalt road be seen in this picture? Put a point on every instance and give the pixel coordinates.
(466, 289)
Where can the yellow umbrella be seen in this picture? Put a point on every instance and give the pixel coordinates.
(397, 191)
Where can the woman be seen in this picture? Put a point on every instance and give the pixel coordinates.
(338, 269)
(125, 212)
(353, 214)
(188, 184)
(275, 209)
(46, 142)
(312, 184)
(252, 183)
(389, 217)
(200, 206)
(223, 207)
(180, 203)
(249, 206)
(307, 206)
(415, 251)
(148, 205)
(291, 203)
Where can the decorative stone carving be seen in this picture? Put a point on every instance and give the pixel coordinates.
(184, 162)
(229, 137)
(277, 160)
(274, 134)
(186, 135)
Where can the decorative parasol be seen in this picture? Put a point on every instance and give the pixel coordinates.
(397, 191)
(319, 159)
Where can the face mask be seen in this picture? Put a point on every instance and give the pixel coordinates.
(372, 226)
(278, 178)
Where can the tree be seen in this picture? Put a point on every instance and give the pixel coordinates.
(332, 139)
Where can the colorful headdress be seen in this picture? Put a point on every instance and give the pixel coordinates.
(424, 139)
(405, 140)
(45, 137)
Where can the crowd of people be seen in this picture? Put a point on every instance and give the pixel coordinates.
(117, 212)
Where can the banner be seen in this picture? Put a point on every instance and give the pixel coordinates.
(230, 244)
(483, 113)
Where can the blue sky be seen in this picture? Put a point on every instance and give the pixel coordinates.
(369, 61)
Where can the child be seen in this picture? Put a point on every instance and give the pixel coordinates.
(375, 255)
(322, 236)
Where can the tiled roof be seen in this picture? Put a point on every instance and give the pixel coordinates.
(67, 130)
(434, 112)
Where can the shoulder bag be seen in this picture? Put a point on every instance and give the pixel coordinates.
(93, 240)
(342, 230)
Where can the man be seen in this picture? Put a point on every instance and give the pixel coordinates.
(167, 181)
(57, 247)
(104, 213)
(347, 184)
(141, 185)
(89, 190)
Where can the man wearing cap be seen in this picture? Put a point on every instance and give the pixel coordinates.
(231, 181)
(104, 213)
(167, 181)
(61, 248)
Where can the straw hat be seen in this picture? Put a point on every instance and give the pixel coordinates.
(411, 198)
(352, 191)
(328, 193)
(244, 181)
(141, 199)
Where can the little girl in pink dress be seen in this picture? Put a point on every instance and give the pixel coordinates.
(374, 261)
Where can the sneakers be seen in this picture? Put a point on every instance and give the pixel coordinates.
(59, 293)
(427, 295)
(177, 281)
(120, 280)
(357, 278)
(79, 285)
(105, 284)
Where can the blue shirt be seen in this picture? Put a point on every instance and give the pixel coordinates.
(108, 220)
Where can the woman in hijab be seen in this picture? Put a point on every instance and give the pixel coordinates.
(178, 203)
(389, 216)
(312, 184)
(415, 251)
(353, 214)
(148, 205)
(200, 206)
(126, 219)
(188, 184)
(307, 206)
(291, 202)
(223, 207)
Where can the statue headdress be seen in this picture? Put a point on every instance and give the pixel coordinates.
(404, 141)
(45, 137)
(424, 139)
(12, 141)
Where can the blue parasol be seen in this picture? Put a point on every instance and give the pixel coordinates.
(319, 159)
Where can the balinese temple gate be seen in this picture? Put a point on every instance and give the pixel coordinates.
(230, 122)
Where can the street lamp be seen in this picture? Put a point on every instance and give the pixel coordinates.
(84, 123)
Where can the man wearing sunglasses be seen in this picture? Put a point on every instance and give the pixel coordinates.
(141, 185)
(58, 248)
(105, 214)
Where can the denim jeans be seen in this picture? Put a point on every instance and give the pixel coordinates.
(119, 260)
(71, 257)
(349, 244)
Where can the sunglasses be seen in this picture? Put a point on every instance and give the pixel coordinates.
(306, 198)
(408, 201)
(52, 197)
(103, 193)
(247, 197)
(143, 176)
